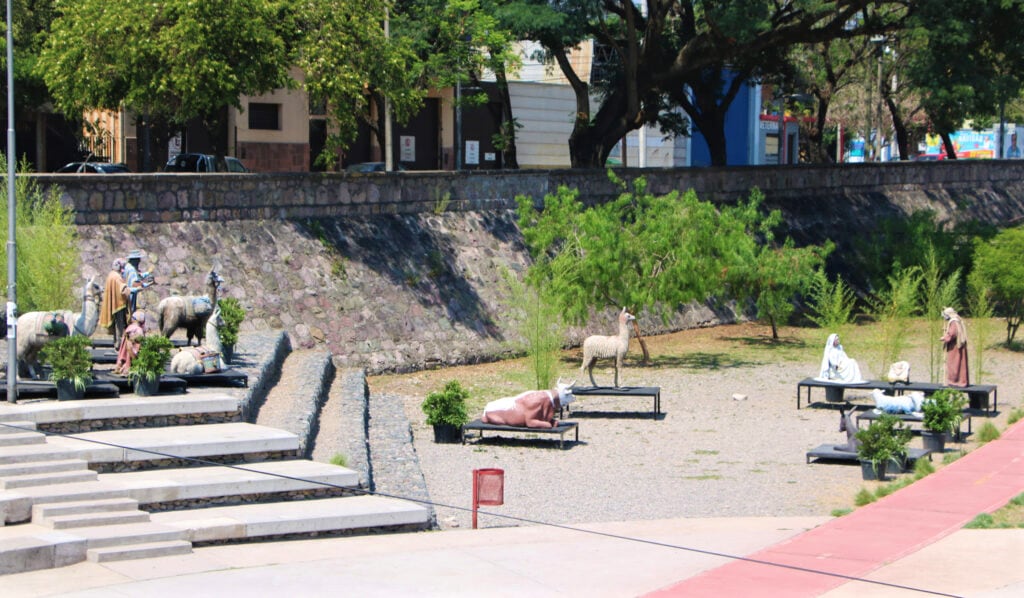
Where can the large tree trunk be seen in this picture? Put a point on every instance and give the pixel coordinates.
(947, 143)
(898, 125)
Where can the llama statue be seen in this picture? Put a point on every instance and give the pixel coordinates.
(190, 312)
(602, 347)
(189, 360)
(32, 333)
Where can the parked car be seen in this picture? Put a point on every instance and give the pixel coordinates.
(370, 167)
(93, 168)
(204, 163)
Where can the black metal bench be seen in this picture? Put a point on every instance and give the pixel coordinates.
(560, 429)
(654, 392)
(828, 452)
(912, 418)
(978, 394)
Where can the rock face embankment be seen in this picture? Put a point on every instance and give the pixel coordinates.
(404, 287)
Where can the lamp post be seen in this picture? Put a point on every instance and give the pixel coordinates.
(12, 215)
(878, 40)
(458, 125)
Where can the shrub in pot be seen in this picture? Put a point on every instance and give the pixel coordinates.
(884, 441)
(943, 413)
(70, 363)
(446, 411)
(232, 313)
(151, 361)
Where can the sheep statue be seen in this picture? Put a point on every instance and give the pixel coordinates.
(190, 312)
(36, 328)
(602, 347)
(189, 360)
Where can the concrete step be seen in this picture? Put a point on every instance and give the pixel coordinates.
(295, 517)
(47, 479)
(190, 483)
(17, 427)
(94, 519)
(125, 534)
(107, 505)
(18, 503)
(196, 402)
(138, 551)
(240, 440)
(30, 453)
(12, 469)
(19, 438)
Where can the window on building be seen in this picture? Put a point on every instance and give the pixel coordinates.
(265, 116)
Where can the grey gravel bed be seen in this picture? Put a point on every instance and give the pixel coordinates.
(709, 455)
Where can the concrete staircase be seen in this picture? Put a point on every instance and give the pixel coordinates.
(84, 496)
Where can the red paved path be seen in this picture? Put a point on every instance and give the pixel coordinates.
(872, 536)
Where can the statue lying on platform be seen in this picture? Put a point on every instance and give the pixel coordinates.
(908, 403)
(530, 409)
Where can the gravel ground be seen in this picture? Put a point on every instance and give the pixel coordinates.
(708, 455)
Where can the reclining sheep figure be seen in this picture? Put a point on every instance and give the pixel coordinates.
(530, 409)
(189, 359)
(602, 347)
(33, 334)
(190, 312)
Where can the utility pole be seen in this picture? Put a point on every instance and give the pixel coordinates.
(12, 215)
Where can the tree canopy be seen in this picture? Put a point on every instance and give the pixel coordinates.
(998, 267)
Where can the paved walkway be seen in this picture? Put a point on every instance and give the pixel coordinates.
(912, 541)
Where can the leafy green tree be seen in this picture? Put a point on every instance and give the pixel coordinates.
(830, 303)
(641, 251)
(48, 261)
(999, 267)
(778, 274)
(170, 60)
(647, 58)
(540, 326)
(979, 301)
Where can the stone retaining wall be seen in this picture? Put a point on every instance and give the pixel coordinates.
(406, 271)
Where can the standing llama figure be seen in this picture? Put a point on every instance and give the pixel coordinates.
(190, 312)
(189, 360)
(32, 333)
(601, 347)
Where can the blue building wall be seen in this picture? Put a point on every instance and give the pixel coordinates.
(741, 133)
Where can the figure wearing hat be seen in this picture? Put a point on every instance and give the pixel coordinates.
(135, 280)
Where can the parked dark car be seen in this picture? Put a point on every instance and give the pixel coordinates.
(370, 167)
(204, 163)
(93, 168)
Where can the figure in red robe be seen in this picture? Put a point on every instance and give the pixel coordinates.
(954, 341)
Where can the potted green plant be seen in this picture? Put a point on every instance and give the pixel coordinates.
(446, 411)
(943, 413)
(71, 365)
(884, 441)
(151, 361)
(231, 313)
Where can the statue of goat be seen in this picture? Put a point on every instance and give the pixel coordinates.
(190, 312)
(602, 347)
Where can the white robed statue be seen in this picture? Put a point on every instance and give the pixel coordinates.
(836, 365)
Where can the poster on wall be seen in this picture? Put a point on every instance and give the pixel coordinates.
(472, 152)
(174, 145)
(407, 153)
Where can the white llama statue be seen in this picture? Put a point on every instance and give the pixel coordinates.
(32, 335)
(605, 347)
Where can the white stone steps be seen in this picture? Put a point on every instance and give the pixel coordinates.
(138, 551)
(47, 479)
(30, 467)
(294, 517)
(189, 483)
(37, 452)
(198, 441)
(18, 503)
(103, 536)
(94, 519)
(17, 427)
(44, 510)
(21, 438)
(51, 412)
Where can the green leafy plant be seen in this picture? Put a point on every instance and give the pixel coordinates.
(988, 433)
(232, 313)
(831, 303)
(339, 459)
(943, 411)
(69, 357)
(892, 308)
(885, 440)
(448, 406)
(540, 325)
(154, 355)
